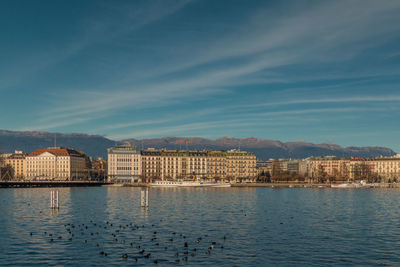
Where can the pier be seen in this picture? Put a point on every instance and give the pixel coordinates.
(24, 184)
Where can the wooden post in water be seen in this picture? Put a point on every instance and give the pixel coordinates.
(144, 198)
(54, 203)
(57, 202)
(147, 197)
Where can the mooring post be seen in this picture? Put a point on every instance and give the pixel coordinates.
(51, 199)
(147, 196)
(54, 201)
(142, 198)
(57, 201)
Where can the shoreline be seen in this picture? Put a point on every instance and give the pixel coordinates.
(34, 184)
(274, 185)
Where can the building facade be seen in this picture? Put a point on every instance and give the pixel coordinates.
(173, 164)
(383, 169)
(124, 164)
(330, 167)
(388, 168)
(18, 164)
(56, 164)
(241, 165)
(265, 167)
(151, 164)
(99, 169)
(216, 165)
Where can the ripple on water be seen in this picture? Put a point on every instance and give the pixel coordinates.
(261, 226)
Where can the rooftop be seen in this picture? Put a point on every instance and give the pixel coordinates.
(57, 151)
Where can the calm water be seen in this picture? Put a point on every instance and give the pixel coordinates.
(261, 226)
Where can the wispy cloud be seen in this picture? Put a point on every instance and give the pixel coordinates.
(357, 99)
(306, 34)
(275, 62)
(245, 120)
(287, 42)
(125, 19)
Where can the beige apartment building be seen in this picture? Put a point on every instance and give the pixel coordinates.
(330, 166)
(18, 164)
(216, 165)
(240, 164)
(151, 164)
(197, 162)
(388, 168)
(357, 168)
(56, 164)
(174, 164)
(124, 164)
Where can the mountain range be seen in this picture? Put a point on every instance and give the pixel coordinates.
(96, 145)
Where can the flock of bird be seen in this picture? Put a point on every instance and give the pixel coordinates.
(138, 242)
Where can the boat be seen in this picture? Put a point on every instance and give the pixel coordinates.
(183, 183)
(361, 184)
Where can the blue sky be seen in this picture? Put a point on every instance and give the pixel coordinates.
(318, 71)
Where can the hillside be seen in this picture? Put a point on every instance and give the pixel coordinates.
(96, 145)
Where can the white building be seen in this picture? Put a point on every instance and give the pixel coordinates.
(124, 164)
(56, 164)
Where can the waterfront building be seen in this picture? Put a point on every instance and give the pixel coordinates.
(3, 157)
(99, 169)
(18, 164)
(293, 166)
(124, 164)
(383, 169)
(216, 165)
(282, 165)
(361, 168)
(264, 167)
(241, 165)
(197, 164)
(151, 164)
(99, 164)
(183, 164)
(173, 164)
(331, 166)
(387, 168)
(2, 160)
(56, 164)
(305, 167)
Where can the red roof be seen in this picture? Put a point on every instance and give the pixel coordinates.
(56, 152)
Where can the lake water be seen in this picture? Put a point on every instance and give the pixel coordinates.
(250, 227)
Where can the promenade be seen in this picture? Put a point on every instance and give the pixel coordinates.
(27, 184)
(6, 184)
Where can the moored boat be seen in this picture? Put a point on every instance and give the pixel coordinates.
(361, 184)
(183, 183)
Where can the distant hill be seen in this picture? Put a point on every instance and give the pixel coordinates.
(92, 145)
(96, 145)
(264, 149)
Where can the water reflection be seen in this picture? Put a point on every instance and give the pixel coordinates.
(249, 226)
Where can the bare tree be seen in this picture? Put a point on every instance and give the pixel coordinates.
(321, 174)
